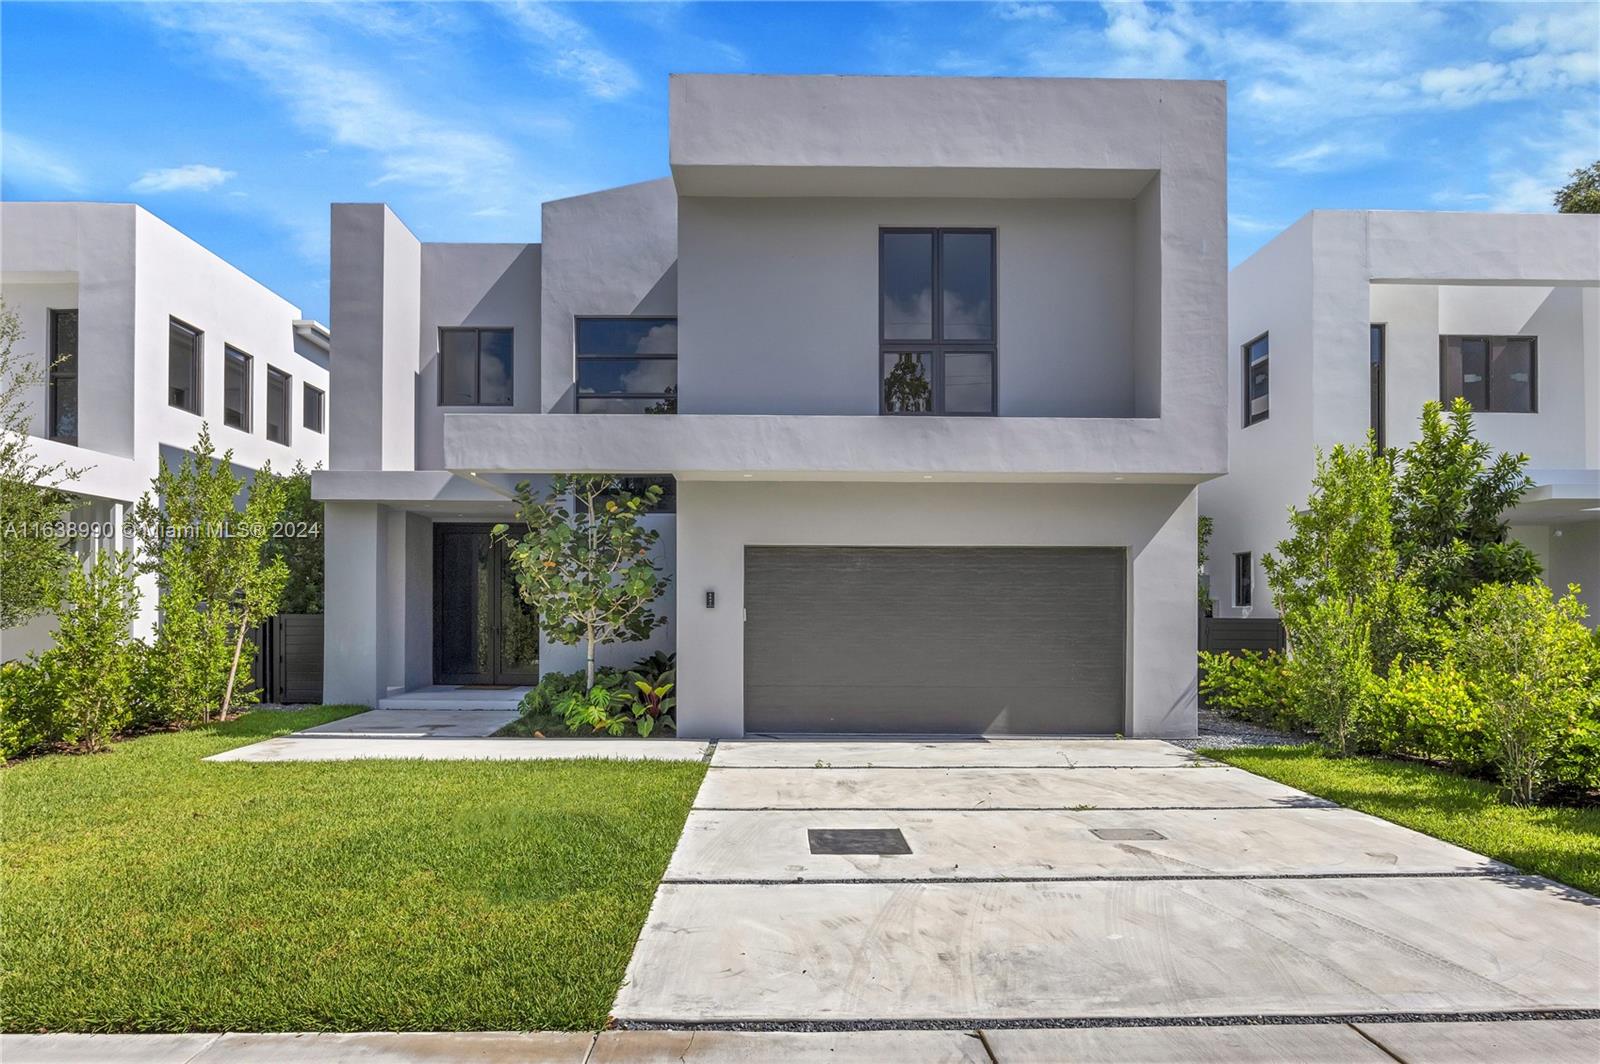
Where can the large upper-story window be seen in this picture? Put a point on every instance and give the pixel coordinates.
(277, 405)
(64, 375)
(627, 365)
(1496, 374)
(475, 367)
(1255, 380)
(936, 321)
(236, 389)
(183, 366)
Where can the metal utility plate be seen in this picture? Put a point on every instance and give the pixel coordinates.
(1127, 834)
(880, 841)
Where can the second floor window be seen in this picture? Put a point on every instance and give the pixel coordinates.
(64, 375)
(311, 408)
(277, 405)
(236, 389)
(1496, 374)
(936, 321)
(627, 365)
(475, 367)
(1255, 380)
(183, 366)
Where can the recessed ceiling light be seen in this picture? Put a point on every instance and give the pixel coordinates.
(747, 476)
(927, 476)
(1117, 478)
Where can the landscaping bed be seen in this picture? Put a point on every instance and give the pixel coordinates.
(1561, 842)
(147, 890)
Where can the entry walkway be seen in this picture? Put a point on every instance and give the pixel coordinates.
(1023, 883)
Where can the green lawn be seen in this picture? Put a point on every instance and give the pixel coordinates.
(1556, 841)
(144, 890)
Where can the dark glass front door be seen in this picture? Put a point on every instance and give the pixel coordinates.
(482, 630)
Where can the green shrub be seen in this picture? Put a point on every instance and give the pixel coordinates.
(1251, 686)
(547, 696)
(27, 707)
(613, 710)
(1529, 660)
(94, 652)
(1426, 710)
(1330, 670)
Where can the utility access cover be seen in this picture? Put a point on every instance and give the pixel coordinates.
(881, 841)
(1127, 834)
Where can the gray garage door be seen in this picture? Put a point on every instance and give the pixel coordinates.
(1004, 640)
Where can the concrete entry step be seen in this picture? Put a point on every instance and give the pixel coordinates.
(962, 844)
(455, 697)
(967, 952)
(953, 753)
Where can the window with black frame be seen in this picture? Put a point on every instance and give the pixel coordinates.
(311, 407)
(627, 365)
(1496, 374)
(277, 405)
(184, 348)
(1256, 380)
(64, 375)
(475, 367)
(936, 321)
(1243, 570)
(236, 399)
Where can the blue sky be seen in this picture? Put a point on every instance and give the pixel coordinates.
(240, 123)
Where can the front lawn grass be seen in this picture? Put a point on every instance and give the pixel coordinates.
(146, 890)
(1560, 842)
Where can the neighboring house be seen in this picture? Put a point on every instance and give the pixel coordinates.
(936, 365)
(1351, 320)
(150, 335)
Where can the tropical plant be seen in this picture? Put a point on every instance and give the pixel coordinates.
(35, 552)
(1250, 685)
(1450, 500)
(210, 558)
(1529, 660)
(1581, 195)
(655, 701)
(299, 544)
(584, 561)
(94, 654)
(601, 708)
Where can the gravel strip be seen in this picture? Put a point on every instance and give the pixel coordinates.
(1221, 733)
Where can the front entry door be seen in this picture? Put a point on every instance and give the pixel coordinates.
(483, 633)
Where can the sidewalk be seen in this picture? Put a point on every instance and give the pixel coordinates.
(1530, 1041)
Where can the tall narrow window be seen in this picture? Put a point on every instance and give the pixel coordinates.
(936, 321)
(475, 367)
(1242, 568)
(184, 345)
(1255, 380)
(1377, 340)
(64, 375)
(1496, 374)
(311, 408)
(236, 389)
(627, 365)
(277, 405)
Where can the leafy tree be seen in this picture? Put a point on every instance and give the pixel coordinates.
(34, 502)
(210, 559)
(300, 545)
(1204, 588)
(94, 655)
(1529, 659)
(1449, 502)
(1581, 195)
(587, 569)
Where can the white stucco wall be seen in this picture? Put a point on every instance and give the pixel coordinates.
(1154, 522)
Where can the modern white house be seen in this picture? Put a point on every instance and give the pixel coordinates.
(1351, 320)
(149, 336)
(935, 367)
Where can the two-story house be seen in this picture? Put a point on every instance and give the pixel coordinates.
(935, 366)
(147, 336)
(1349, 321)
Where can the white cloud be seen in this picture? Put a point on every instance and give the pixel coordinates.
(1026, 12)
(196, 177)
(28, 162)
(572, 51)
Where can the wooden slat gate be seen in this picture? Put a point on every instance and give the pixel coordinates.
(288, 662)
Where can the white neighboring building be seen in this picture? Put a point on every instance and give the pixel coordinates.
(161, 336)
(1351, 320)
(936, 366)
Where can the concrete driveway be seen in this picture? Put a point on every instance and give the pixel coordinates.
(1039, 883)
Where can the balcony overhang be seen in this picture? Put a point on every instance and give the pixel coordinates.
(798, 447)
(1558, 496)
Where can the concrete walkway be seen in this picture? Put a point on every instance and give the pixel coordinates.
(1050, 883)
(447, 735)
(1512, 1042)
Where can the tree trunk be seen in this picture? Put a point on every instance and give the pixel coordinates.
(589, 661)
(233, 669)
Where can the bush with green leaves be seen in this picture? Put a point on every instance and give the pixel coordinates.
(545, 697)
(1250, 685)
(1529, 660)
(612, 710)
(94, 657)
(1426, 710)
(27, 707)
(1330, 672)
